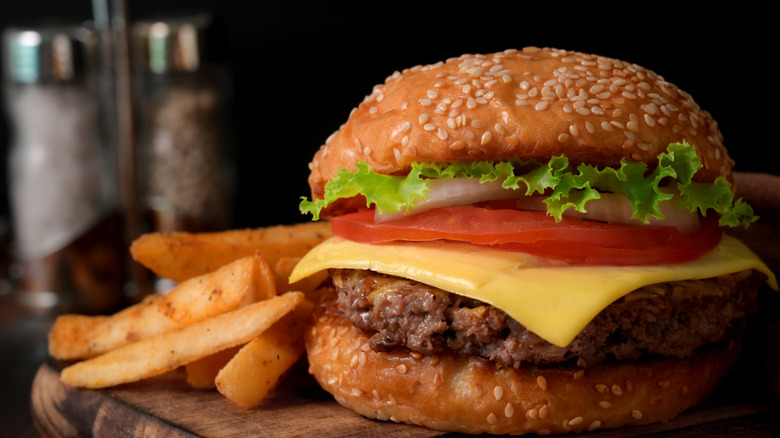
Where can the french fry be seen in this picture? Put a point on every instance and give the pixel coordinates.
(259, 366)
(80, 337)
(182, 255)
(172, 349)
(201, 373)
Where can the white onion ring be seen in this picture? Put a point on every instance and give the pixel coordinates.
(611, 207)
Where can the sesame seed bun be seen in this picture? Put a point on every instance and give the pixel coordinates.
(529, 104)
(471, 395)
(519, 104)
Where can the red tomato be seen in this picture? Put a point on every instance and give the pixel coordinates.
(572, 240)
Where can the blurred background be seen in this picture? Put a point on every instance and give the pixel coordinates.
(286, 74)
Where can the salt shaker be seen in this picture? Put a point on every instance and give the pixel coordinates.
(66, 232)
(185, 161)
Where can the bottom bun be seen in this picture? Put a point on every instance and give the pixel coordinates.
(466, 394)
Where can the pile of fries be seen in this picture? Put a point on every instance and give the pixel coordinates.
(233, 322)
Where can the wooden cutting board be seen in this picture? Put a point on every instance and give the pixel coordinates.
(166, 406)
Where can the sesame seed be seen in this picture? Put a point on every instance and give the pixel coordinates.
(543, 411)
(405, 127)
(601, 388)
(492, 419)
(401, 369)
(429, 127)
(593, 426)
(576, 421)
(457, 145)
(432, 94)
(542, 383)
(617, 390)
(541, 106)
(423, 118)
(486, 137)
(498, 392)
(637, 414)
(605, 404)
(509, 410)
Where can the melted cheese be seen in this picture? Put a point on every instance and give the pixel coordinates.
(554, 301)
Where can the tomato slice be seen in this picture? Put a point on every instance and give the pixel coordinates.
(572, 240)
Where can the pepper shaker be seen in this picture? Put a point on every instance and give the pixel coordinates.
(185, 160)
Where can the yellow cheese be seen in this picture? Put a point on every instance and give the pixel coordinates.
(554, 301)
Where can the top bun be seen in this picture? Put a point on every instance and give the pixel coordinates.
(532, 103)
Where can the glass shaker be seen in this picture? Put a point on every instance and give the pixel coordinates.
(67, 234)
(185, 161)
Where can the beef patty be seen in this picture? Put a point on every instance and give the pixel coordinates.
(670, 319)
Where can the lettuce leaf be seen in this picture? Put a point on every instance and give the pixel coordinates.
(567, 187)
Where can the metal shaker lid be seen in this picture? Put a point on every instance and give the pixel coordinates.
(48, 54)
(176, 44)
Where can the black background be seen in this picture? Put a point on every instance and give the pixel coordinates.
(298, 67)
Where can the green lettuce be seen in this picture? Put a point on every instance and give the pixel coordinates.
(568, 187)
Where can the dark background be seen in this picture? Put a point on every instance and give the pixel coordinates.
(299, 67)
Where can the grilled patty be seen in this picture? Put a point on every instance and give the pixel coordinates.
(670, 320)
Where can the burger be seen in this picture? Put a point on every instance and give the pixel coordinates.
(529, 241)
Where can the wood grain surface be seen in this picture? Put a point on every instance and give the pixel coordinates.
(166, 406)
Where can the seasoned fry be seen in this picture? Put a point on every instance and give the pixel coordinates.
(258, 366)
(168, 351)
(80, 337)
(201, 373)
(182, 255)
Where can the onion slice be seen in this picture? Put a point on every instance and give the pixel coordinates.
(615, 208)
(611, 207)
(454, 191)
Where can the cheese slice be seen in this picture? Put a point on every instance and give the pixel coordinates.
(555, 301)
